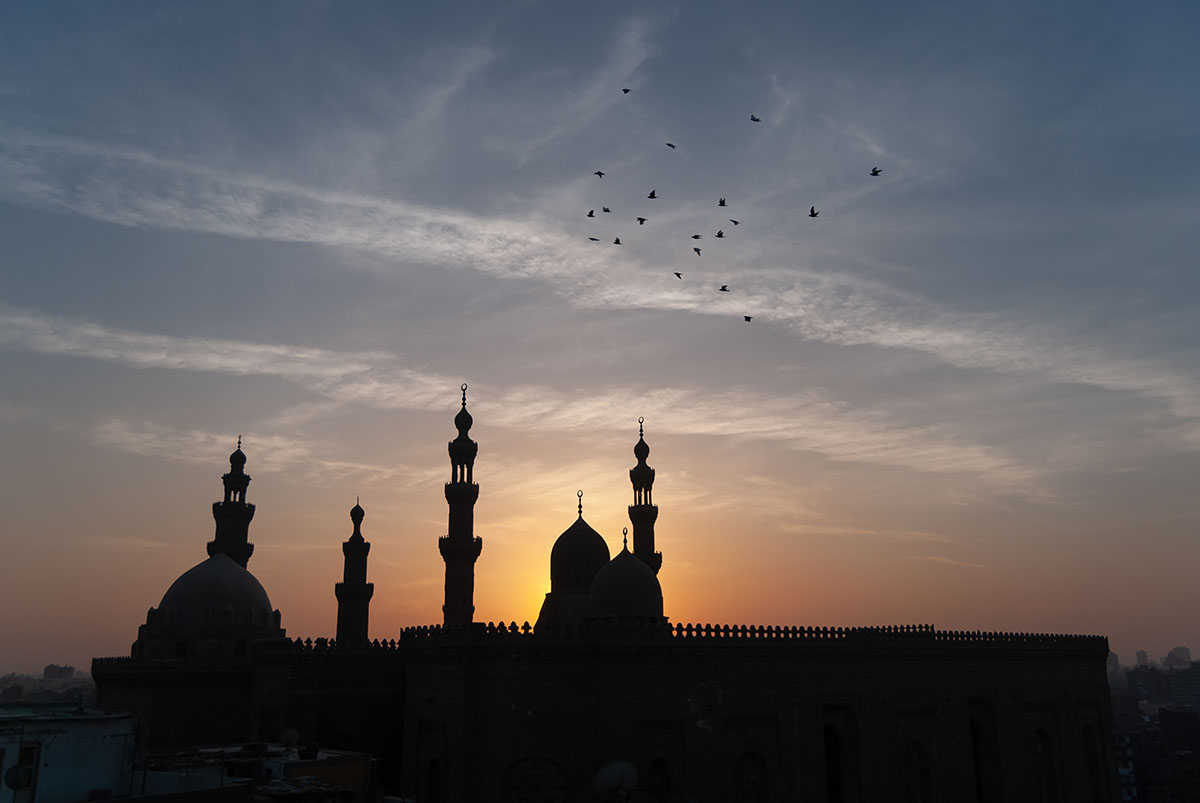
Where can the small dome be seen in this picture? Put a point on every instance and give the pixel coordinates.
(237, 460)
(641, 450)
(218, 585)
(463, 421)
(357, 513)
(626, 589)
(577, 555)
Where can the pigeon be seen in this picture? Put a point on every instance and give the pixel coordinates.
(720, 234)
(754, 119)
(617, 241)
(748, 318)
(605, 209)
(626, 91)
(651, 195)
(594, 239)
(697, 236)
(591, 213)
(678, 275)
(697, 250)
(671, 145)
(641, 221)
(812, 211)
(723, 288)
(599, 174)
(875, 171)
(734, 222)
(721, 202)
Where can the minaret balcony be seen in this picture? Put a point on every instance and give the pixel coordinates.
(460, 547)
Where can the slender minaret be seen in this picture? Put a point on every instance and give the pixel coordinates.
(643, 513)
(354, 592)
(460, 547)
(234, 513)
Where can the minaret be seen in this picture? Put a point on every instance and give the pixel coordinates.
(643, 513)
(460, 547)
(234, 513)
(354, 592)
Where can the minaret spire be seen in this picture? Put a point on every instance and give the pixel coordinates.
(354, 592)
(234, 513)
(643, 513)
(460, 547)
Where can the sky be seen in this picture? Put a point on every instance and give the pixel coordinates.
(969, 394)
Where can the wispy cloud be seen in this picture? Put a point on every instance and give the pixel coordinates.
(808, 421)
(947, 561)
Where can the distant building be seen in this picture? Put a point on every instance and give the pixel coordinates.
(56, 672)
(1178, 658)
(1142, 658)
(605, 687)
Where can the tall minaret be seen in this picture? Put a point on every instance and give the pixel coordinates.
(460, 547)
(643, 513)
(234, 513)
(354, 592)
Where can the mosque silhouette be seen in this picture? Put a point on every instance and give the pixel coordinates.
(465, 711)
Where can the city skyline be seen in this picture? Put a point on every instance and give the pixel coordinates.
(966, 395)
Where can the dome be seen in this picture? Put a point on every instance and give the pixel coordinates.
(463, 420)
(211, 591)
(626, 588)
(238, 458)
(577, 555)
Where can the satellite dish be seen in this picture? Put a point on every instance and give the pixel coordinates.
(615, 781)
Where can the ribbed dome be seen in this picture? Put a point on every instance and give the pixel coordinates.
(211, 591)
(577, 555)
(627, 589)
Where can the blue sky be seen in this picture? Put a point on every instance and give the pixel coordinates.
(969, 393)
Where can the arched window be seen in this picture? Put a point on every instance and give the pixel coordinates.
(1045, 769)
(750, 778)
(916, 775)
(835, 765)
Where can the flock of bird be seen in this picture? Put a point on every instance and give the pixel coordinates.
(721, 202)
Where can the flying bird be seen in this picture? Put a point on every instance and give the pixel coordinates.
(697, 236)
(651, 195)
(875, 171)
(641, 221)
(599, 174)
(734, 222)
(748, 318)
(678, 275)
(591, 213)
(605, 209)
(697, 250)
(723, 288)
(812, 211)
(754, 119)
(671, 145)
(721, 202)
(720, 233)
(594, 239)
(617, 241)
(626, 91)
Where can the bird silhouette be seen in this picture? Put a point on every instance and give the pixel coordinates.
(748, 318)
(723, 288)
(599, 174)
(697, 236)
(734, 222)
(720, 234)
(652, 195)
(875, 171)
(678, 275)
(591, 213)
(812, 211)
(605, 209)
(697, 250)
(594, 239)
(626, 91)
(641, 221)
(671, 145)
(721, 202)
(617, 241)
(754, 119)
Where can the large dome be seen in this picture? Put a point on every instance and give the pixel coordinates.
(577, 555)
(625, 589)
(217, 591)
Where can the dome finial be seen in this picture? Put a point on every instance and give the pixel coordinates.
(580, 495)
(239, 440)
(464, 390)
(625, 538)
(641, 433)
